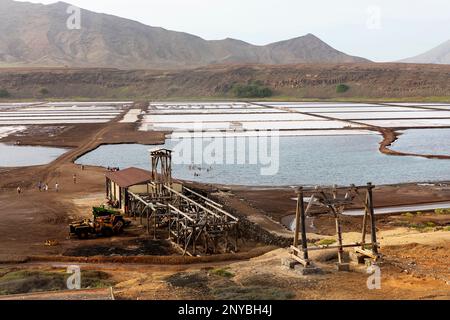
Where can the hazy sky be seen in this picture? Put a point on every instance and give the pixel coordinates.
(381, 30)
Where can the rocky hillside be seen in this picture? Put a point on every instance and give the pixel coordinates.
(438, 55)
(37, 35)
(365, 80)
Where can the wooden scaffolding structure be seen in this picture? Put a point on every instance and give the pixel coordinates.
(194, 223)
(335, 201)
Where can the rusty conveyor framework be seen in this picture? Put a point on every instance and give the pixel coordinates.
(194, 223)
(334, 201)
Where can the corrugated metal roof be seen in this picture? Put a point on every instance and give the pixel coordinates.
(129, 177)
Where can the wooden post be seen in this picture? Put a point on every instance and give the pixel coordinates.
(366, 215)
(297, 218)
(169, 211)
(339, 234)
(303, 225)
(372, 219)
(338, 228)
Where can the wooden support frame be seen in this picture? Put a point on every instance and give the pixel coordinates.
(195, 223)
(335, 205)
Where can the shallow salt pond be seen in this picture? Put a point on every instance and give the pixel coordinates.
(420, 104)
(390, 115)
(250, 125)
(408, 123)
(231, 117)
(337, 110)
(315, 160)
(59, 113)
(424, 141)
(7, 130)
(202, 106)
(215, 111)
(317, 105)
(24, 156)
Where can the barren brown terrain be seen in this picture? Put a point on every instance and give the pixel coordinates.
(408, 273)
(367, 81)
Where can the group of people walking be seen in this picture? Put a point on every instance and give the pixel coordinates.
(43, 186)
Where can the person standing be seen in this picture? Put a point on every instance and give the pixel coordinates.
(19, 190)
(56, 187)
(74, 179)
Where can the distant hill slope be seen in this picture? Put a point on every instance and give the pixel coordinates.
(36, 35)
(438, 55)
(316, 81)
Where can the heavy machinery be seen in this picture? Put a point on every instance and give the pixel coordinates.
(105, 223)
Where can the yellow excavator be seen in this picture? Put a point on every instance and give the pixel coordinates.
(106, 223)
